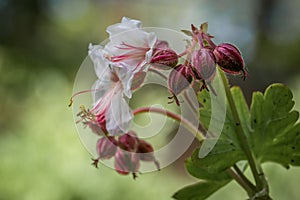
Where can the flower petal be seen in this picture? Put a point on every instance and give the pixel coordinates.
(97, 55)
(126, 24)
(126, 79)
(118, 115)
(103, 84)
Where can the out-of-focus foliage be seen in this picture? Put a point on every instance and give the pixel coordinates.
(43, 42)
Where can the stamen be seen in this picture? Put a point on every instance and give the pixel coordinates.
(78, 93)
(71, 102)
(128, 46)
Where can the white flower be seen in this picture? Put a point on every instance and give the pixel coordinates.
(112, 84)
(130, 47)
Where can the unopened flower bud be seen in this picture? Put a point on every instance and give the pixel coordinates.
(128, 142)
(204, 64)
(145, 151)
(161, 44)
(106, 147)
(229, 58)
(164, 59)
(126, 162)
(180, 78)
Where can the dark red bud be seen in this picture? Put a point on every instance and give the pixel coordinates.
(230, 59)
(180, 78)
(128, 142)
(145, 151)
(106, 147)
(164, 59)
(126, 162)
(204, 64)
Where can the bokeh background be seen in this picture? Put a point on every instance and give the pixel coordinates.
(42, 44)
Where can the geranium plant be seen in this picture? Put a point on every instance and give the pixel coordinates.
(232, 136)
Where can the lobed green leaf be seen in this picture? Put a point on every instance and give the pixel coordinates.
(271, 130)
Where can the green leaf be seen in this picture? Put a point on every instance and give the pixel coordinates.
(274, 135)
(199, 191)
(269, 127)
(227, 150)
(202, 172)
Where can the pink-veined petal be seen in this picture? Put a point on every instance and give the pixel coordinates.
(118, 115)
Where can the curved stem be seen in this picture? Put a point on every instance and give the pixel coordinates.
(241, 134)
(190, 127)
(158, 73)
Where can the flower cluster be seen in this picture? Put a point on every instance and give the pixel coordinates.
(121, 67)
(202, 58)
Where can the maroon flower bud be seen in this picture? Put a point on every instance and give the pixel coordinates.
(126, 162)
(180, 78)
(230, 59)
(204, 64)
(106, 147)
(145, 151)
(128, 142)
(164, 58)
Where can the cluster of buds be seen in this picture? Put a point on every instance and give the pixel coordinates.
(128, 150)
(202, 58)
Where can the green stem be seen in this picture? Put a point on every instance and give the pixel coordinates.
(240, 180)
(242, 175)
(241, 134)
(190, 127)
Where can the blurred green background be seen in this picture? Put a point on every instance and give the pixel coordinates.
(42, 44)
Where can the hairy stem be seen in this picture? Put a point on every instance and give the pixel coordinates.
(241, 134)
(190, 127)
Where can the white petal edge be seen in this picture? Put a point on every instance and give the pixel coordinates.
(118, 115)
